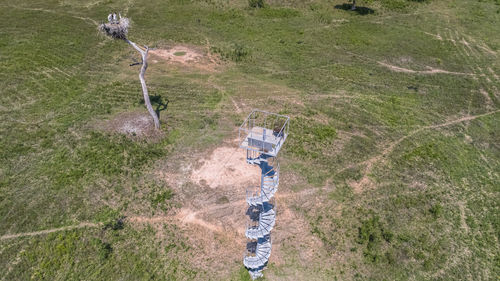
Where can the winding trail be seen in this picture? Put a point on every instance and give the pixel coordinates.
(430, 70)
(357, 186)
(47, 231)
(54, 12)
(185, 216)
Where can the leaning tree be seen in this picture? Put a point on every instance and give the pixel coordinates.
(117, 28)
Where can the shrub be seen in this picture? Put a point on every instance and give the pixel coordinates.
(104, 249)
(256, 3)
(373, 233)
(114, 224)
(436, 210)
(161, 197)
(237, 52)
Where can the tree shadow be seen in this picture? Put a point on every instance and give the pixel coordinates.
(158, 102)
(360, 10)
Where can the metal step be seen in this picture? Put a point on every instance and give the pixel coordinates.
(266, 224)
(262, 254)
(266, 194)
(254, 274)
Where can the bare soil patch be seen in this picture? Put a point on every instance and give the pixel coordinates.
(189, 56)
(211, 186)
(226, 166)
(132, 124)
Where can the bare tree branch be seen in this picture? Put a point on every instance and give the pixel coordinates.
(118, 29)
(144, 55)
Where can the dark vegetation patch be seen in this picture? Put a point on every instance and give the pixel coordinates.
(372, 234)
(256, 3)
(359, 9)
(160, 198)
(236, 52)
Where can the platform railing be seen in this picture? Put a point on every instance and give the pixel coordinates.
(258, 118)
(253, 192)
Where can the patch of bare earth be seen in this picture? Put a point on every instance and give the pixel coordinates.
(189, 56)
(132, 124)
(213, 214)
(226, 166)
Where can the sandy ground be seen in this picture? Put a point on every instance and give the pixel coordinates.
(179, 54)
(216, 227)
(187, 56)
(227, 166)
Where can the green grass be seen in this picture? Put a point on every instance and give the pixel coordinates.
(432, 210)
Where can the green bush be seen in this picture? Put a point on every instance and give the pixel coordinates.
(256, 3)
(105, 250)
(161, 197)
(436, 211)
(237, 52)
(373, 233)
(114, 224)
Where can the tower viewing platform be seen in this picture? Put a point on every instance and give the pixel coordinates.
(264, 132)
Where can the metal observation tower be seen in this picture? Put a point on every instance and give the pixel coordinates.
(262, 134)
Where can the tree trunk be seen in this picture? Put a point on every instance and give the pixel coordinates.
(144, 55)
(353, 5)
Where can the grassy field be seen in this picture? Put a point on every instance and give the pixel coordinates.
(394, 149)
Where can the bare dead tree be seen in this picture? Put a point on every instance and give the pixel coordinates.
(117, 28)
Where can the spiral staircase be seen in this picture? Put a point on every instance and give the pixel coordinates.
(262, 145)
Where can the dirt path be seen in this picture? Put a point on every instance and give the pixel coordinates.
(365, 180)
(54, 12)
(238, 109)
(436, 36)
(186, 216)
(47, 231)
(430, 70)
